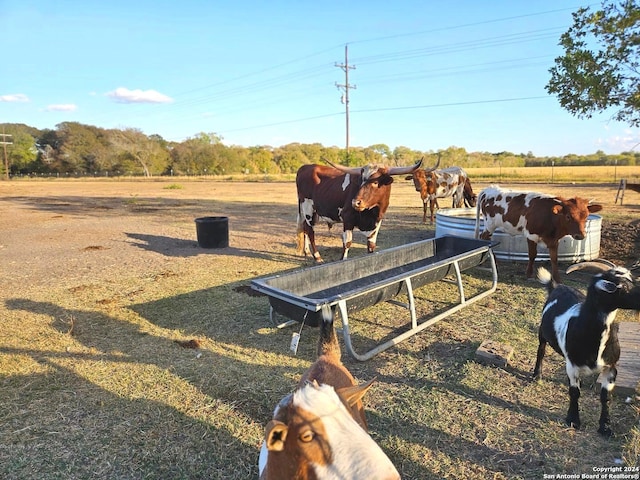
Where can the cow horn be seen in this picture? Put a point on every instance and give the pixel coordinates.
(435, 166)
(351, 170)
(598, 265)
(405, 170)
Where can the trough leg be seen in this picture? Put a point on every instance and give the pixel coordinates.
(342, 306)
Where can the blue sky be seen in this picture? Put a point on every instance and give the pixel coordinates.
(428, 75)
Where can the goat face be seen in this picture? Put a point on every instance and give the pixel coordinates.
(617, 289)
(313, 435)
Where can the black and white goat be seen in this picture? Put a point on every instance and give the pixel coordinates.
(581, 329)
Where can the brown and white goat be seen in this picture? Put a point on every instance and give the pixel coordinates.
(319, 432)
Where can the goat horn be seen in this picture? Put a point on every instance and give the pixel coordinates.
(599, 265)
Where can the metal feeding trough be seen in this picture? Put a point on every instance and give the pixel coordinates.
(461, 222)
(356, 283)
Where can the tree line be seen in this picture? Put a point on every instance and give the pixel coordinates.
(75, 149)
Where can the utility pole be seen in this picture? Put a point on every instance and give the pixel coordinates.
(4, 144)
(346, 87)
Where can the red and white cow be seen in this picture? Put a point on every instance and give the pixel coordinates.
(538, 216)
(447, 182)
(319, 432)
(355, 197)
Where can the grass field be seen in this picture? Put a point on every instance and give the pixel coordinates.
(103, 280)
(548, 175)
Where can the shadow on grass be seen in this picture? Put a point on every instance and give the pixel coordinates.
(247, 220)
(133, 421)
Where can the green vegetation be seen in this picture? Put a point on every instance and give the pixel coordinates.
(75, 150)
(599, 69)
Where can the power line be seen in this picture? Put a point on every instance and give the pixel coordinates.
(316, 71)
(452, 104)
(387, 109)
(465, 25)
(235, 89)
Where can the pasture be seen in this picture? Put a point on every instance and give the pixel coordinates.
(104, 289)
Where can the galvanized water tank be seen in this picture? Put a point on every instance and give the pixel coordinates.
(462, 222)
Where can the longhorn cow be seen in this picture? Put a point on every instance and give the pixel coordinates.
(538, 216)
(447, 182)
(356, 197)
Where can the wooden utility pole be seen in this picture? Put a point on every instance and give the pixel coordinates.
(346, 87)
(4, 143)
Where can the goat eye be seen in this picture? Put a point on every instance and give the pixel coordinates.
(307, 436)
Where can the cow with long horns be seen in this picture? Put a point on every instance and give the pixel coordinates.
(432, 184)
(356, 197)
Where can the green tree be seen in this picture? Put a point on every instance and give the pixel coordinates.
(382, 150)
(404, 156)
(140, 153)
(201, 154)
(261, 161)
(21, 151)
(80, 148)
(290, 158)
(599, 68)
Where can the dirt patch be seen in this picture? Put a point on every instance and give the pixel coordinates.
(620, 242)
(140, 225)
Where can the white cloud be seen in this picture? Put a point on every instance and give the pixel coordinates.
(622, 143)
(15, 97)
(124, 95)
(62, 107)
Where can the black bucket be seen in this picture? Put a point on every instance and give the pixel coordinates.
(213, 232)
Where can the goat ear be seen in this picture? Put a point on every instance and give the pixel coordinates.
(606, 286)
(275, 435)
(351, 395)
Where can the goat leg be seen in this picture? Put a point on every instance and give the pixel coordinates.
(537, 371)
(573, 415)
(605, 398)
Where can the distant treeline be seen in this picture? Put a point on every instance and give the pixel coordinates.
(75, 149)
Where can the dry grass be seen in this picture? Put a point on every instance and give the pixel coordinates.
(596, 174)
(102, 279)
